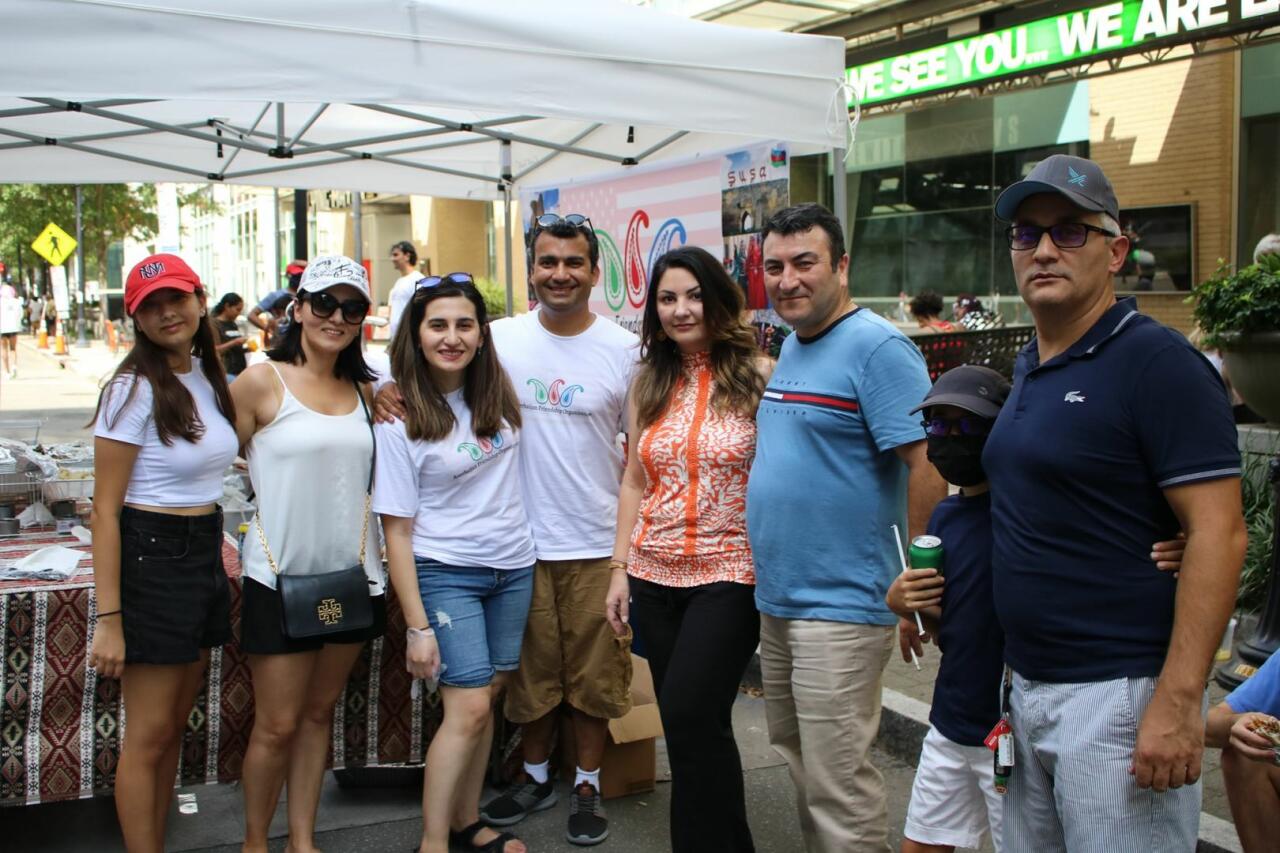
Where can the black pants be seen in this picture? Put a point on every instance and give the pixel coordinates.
(699, 641)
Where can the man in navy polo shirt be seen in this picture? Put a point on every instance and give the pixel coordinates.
(1117, 434)
(839, 459)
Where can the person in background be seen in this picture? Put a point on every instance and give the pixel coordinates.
(163, 436)
(304, 421)
(1268, 245)
(1245, 728)
(50, 315)
(459, 545)
(404, 257)
(34, 308)
(926, 310)
(682, 566)
(10, 328)
(973, 315)
(266, 315)
(231, 341)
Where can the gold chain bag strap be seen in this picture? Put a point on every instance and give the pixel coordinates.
(328, 602)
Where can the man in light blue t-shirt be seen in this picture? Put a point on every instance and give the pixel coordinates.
(839, 459)
(1251, 759)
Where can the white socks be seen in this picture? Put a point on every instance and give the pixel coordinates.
(537, 772)
(592, 776)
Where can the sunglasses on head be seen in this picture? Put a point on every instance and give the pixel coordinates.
(965, 424)
(437, 280)
(323, 304)
(577, 220)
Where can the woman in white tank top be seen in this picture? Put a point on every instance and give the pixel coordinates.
(309, 442)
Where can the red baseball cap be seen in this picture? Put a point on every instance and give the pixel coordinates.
(154, 273)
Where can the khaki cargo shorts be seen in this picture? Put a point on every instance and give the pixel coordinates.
(570, 653)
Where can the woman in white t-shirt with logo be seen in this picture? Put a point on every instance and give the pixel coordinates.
(459, 545)
(163, 435)
(305, 424)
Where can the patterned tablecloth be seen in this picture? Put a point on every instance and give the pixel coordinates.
(61, 726)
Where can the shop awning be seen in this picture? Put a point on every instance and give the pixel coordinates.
(438, 97)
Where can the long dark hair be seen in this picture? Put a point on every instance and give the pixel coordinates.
(486, 388)
(738, 383)
(172, 409)
(350, 364)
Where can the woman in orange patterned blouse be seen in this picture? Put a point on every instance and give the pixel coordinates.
(682, 566)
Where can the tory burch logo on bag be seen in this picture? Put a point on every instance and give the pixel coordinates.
(329, 611)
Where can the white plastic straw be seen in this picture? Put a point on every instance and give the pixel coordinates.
(902, 558)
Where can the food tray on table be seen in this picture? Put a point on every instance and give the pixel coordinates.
(74, 481)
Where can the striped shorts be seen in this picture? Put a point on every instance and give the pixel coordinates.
(1071, 789)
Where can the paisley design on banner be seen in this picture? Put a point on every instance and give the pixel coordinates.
(612, 274)
(637, 275)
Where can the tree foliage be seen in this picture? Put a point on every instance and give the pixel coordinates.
(111, 212)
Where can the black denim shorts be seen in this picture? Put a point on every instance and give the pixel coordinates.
(173, 588)
(262, 624)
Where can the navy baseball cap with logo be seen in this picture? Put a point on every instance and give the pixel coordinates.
(1078, 180)
(971, 387)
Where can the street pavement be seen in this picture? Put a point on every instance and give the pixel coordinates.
(390, 819)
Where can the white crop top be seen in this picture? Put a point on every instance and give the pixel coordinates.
(182, 473)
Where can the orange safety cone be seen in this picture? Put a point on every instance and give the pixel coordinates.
(60, 345)
(112, 344)
(42, 339)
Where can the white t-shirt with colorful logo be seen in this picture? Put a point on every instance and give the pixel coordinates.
(463, 493)
(572, 395)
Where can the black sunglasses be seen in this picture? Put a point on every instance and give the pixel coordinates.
(437, 280)
(968, 425)
(323, 304)
(1065, 235)
(577, 220)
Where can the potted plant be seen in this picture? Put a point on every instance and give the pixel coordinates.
(1239, 313)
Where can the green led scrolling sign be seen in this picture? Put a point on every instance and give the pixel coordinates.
(1054, 41)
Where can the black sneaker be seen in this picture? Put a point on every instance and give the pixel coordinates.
(522, 797)
(587, 822)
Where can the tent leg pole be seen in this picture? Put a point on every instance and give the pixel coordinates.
(508, 249)
(357, 226)
(275, 241)
(840, 191)
(80, 338)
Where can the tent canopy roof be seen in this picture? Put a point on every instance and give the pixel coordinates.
(407, 96)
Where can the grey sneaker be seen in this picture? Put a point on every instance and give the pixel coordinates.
(522, 797)
(587, 821)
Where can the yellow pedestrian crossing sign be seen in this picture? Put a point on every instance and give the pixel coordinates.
(54, 244)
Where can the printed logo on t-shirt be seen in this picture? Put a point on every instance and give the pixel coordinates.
(482, 451)
(557, 397)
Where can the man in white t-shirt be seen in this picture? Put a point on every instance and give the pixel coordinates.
(404, 257)
(571, 369)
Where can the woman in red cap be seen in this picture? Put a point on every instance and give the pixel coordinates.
(163, 435)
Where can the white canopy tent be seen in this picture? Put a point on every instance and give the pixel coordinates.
(453, 98)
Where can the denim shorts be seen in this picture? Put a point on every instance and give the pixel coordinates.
(173, 590)
(478, 616)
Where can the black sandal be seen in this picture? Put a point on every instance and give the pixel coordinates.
(465, 838)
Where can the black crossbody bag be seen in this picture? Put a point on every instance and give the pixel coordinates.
(315, 605)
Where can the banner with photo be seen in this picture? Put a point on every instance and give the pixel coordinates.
(718, 202)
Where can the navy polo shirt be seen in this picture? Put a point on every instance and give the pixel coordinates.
(1077, 461)
(966, 695)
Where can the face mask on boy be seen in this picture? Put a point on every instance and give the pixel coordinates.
(958, 458)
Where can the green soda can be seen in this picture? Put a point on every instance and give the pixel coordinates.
(926, 553)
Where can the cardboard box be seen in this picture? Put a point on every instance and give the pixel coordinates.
(629, 764)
